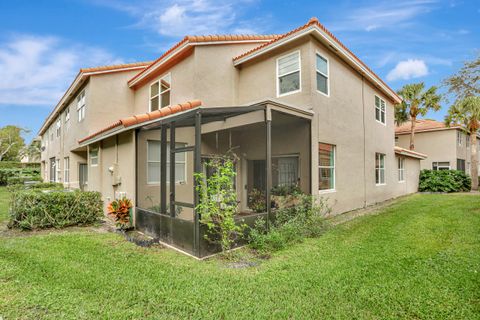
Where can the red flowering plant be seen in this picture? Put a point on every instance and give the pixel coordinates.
(119, 210)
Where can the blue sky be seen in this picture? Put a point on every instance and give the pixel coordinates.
(44, 43)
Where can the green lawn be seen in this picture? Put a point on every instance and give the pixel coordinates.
(419, 259)
(4, 196)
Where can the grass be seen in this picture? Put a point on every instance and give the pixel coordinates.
(419, 258)
(4, 196)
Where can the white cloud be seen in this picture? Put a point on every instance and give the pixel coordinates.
(386, 14)
(408, 69)
(37, 70)
(188, 17)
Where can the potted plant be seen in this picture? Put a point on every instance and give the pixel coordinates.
(119, 210)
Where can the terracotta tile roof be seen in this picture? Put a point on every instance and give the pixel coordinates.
(116, 66)
(409, 153)
(314, 22)
(421, 126)
(144, 117)
(204, 39)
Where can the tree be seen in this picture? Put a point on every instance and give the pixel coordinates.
(466, 113)
(417, 101)
(32, 151)
(466, 82)
(11, 142)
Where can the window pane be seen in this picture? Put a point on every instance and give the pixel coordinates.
(165, 83)
(377, 102)
(288, 64)
(322, 83)
(154, 104)
(180, 172)
(153, 172)
(326, 155)
(382, 176)
(153, 150)
(326, 178)
(382, 118)
(377, 114)
(287, 171)
(322, 65)
(165, 99)
(289, 82)
(154, 89)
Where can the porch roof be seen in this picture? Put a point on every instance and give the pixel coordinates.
(184, 115)
(410, 153)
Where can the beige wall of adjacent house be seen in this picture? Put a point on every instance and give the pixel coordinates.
(439, 146)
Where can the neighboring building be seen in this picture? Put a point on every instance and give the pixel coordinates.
(446, 147)
(293, 109)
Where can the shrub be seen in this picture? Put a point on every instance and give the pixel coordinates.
(444, 181)
(256, 201)
(119, 210)
(36, 209)
(290, 225)
(10, 176)
(16, 164)
(218, 202)
(36, 186)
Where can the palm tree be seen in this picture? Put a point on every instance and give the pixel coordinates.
(466, 113)
(416, 101)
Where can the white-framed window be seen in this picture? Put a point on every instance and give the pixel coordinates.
(445, 165)
(323, 70)
(81, 106)
(160, 92)
(50, 133)
(288, 74)
(66, 169)
(380, 168)
(93, 157)
(153, 162)
(58, 127)
(401, 169)
(58, 170)
(326, 166)
(380, 110)
(459, 138)
(67, 114)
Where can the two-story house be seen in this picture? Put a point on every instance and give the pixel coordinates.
(448, 148)
(297, 109)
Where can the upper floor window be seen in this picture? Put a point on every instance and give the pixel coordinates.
(288, 73)
(459, 138)
(81, 106)
(67, 114)
(380, 110)
(58, 128)
(401, 169)
(160, 93)
(322, 74)
(379, 168)
(94, 157)
(326, 166)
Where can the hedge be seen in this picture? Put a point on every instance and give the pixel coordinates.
(36, 209)
(36, 186)
(444, 181)
(16, 164)
(10, 176)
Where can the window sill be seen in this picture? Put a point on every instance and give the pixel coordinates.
(327, 191)
(380, 184)
(288, 93)
(383, 124)
(323, 93)
(402, 181)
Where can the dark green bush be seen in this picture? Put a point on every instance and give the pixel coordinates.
(36, 186)
(18, 175)
(444, 181)
(16, 164)
(305, 219)
(36, 209)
